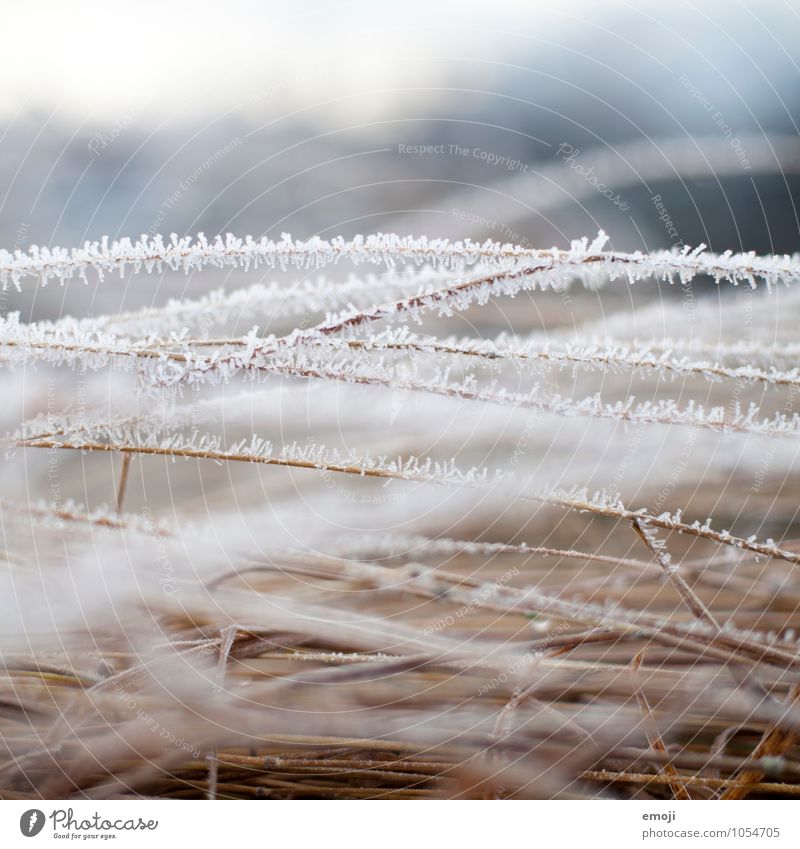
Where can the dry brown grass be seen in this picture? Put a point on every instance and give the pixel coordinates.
(319, 634)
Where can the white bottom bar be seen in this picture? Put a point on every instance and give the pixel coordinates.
(596, 824)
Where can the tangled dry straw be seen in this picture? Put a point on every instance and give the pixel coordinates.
(360, 617)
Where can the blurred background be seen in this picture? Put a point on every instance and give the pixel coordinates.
(520, 121)
(665, 124)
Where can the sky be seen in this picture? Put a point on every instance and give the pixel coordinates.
(100, 57)
(295, 114)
